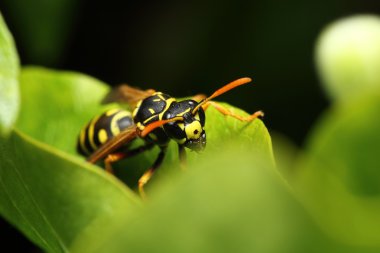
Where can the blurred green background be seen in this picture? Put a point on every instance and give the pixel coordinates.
(184, 48)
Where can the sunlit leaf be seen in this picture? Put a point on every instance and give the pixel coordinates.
(9, 90)
(51, 196)
(57, 104)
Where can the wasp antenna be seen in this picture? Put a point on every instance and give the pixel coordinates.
(149, 128)
(224, 89)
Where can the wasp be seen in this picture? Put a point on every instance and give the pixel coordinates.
(157, 118)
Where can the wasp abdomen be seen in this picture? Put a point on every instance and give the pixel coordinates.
(101, 129)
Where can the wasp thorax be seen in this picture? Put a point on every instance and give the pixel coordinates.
(188, 132)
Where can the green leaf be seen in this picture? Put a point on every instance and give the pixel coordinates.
(348, 56)
(51, 196)
(230, 201)
(9, 90)
(57, 104)
(339, 178)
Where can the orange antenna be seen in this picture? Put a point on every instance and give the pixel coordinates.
(222, 90)
(149, 128)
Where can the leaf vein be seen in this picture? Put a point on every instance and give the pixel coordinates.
(43, 216)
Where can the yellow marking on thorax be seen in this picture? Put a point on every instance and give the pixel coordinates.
(115, 130)
(169, 101)
(182, 113)
(102, 135)
(91, 132)
(139, 103)
(148, 119)
(193, 130)
(135, 112)
(151, 111)
(136, 109)
(140, 126)
(159, 94)
(82, 140)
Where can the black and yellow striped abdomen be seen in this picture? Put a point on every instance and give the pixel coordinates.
(101, 129)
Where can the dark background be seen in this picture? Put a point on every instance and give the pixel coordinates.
(184, 48)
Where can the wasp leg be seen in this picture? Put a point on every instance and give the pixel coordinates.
(182, 156)
(148, 174)
(111, 158)
(225, 111)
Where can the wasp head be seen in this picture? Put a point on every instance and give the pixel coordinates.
(189, 131)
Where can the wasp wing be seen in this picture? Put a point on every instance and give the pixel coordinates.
(125, 136)
(124, 93)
